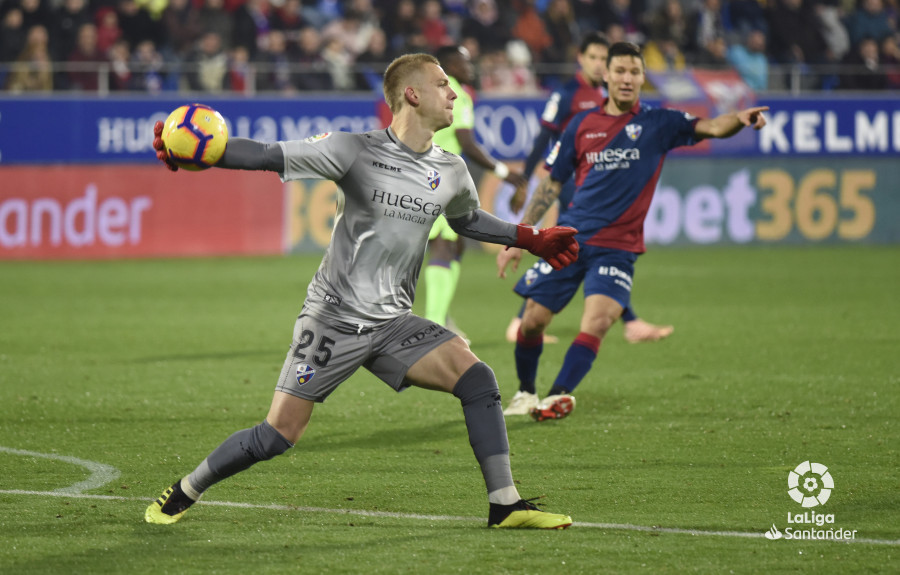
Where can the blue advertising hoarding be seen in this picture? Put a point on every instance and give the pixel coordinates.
(115, 131)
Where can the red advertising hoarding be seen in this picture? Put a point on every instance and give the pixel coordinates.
(92, 212)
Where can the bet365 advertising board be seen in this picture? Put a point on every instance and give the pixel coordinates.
(79, 179)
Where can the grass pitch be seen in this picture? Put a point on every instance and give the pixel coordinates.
(116, 378)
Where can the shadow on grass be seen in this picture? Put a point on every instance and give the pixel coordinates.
(384, 435)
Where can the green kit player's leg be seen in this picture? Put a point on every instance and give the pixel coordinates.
(439, 290)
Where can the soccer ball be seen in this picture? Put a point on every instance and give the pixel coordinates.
(195, 136)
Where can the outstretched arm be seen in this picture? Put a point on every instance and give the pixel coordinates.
(727, 125)
(556, 245)
(244, 154)
(240, 154)
(544, 196)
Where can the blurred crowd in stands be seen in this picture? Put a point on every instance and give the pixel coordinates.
(520, 46)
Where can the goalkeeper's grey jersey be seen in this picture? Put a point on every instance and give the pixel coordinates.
(388, 198)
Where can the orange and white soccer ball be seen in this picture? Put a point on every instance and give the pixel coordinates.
(195, 136)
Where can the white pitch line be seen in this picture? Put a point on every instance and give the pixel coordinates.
(398, 515)
(101, 474)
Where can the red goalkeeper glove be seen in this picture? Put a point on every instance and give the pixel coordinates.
(557, 245)
(160, 147)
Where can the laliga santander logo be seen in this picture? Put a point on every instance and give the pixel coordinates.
(815, 487)
(810, 484)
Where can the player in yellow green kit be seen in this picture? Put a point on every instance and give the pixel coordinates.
(445, 248)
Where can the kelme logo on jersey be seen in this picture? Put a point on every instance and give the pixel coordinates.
(317, 137)
(304, 373)
(634, 131)
(434, 179)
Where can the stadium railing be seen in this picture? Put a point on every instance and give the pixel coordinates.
(105, 78)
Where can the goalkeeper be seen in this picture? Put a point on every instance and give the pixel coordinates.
(393, 184)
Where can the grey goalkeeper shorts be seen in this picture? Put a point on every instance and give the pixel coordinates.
(323, 355)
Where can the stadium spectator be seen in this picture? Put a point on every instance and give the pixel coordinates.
(432, 24)
(750, 60)
(370, 269)
(239, 72)
(834, 33)
(207, 65)
(314, 74)
(485, 25)
(370, 65)
(85, 53)
(108, 31)
(508, 71)
(803, 32)
(705, 26)
(274, 65)
(36, 13)
(119, 56)
(288, 17)
(669, 20)
(32, 71)
(251, 22)
(328, 10)
(864, 71)
(627, 14)
(890, 58)
(530, 28)
(339, 63)
(67, 22)
(401, 24)
(608, 208)
(136, 23)
(454, 13)
(713, 57)
(182, 25)
(740, 17)
(352, 32)
(214, 18)
(869, 20)
(662, 54)
(615, 32)
(147, 68)
(12, 35)
(588, 15)
(154, 8)
(559, 21)
(794, 38)
(445, 249)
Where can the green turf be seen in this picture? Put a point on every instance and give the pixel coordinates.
(779, 356)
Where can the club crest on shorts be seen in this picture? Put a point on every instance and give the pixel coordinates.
(634, 131)
(304, 373)
(434, 179)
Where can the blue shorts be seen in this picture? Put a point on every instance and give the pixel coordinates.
(604, 271)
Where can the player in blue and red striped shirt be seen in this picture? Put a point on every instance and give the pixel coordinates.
(616, 154)
(583, 92)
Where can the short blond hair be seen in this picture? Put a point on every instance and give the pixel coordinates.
(398, 74)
